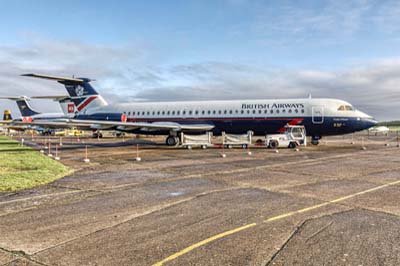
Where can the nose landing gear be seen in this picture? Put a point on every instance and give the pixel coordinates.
(315, 140)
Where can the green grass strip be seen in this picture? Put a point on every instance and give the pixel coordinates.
(22, 167)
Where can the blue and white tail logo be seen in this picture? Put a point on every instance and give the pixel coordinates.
(79, 91)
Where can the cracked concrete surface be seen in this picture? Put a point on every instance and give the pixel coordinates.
(115, 211)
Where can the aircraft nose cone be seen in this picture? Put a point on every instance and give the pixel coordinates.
(369, 122)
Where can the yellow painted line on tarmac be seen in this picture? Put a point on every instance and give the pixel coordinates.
(275, 218)
(202, 243)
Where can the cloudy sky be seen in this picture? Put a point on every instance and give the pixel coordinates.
(206, 49)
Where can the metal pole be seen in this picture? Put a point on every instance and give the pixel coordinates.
(57, 158)
(138, 159)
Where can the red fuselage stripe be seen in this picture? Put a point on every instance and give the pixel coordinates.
(297, 119)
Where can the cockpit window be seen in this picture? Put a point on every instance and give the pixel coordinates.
(345, 108)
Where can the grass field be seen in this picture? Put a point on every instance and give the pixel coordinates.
(23, 167)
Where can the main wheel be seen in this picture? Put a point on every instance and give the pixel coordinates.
(171, 141)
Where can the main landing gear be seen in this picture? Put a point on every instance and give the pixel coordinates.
(315, 140)
(172, 140)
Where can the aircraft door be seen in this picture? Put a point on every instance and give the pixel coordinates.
(318, 114)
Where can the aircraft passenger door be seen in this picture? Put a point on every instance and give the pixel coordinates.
(318, 114)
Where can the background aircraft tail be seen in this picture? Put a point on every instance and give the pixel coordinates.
(24, 107)
(81, 92)
(7, 116)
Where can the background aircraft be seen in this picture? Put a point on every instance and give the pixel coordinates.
(379, 130)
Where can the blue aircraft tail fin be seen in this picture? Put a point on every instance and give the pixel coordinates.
(25, 108)
(82, 94)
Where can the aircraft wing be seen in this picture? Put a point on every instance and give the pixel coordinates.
(53, 124)
(119, 125)
(145, 125)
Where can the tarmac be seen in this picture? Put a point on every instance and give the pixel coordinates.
(332, 204)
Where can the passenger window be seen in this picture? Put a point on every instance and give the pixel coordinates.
(158, 112)
(163, 112)
(196, 112)
(290, 111)
(248, 111)
(265, 111)
(154, 112)
(254, 111)
(225, 112)
(129, 113)
(183, 112)
(208, 112)
(284, 111)
(242, 111)
(272, 111)
(178, 112)
(219, 111)
(296, 111)
(168, 112)
(260, 111)
(277, 111)
(302, 111)
(148, 113)
(190, 112)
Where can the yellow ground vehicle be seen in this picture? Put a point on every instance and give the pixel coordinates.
(69, 132)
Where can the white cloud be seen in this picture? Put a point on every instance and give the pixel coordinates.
(303, 20)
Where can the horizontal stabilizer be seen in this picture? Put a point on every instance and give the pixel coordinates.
(15, 98)
(56, 98)
(62, 79)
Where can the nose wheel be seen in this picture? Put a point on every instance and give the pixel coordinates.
(315, 140)
(172, 141)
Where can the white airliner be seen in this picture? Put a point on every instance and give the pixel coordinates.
(320, 116)
(379, 130)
